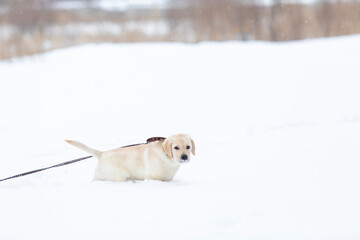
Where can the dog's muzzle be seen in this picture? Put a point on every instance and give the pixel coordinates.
(184, 158)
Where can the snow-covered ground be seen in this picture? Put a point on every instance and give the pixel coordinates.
(276, 127)
(123, 5)
(112, 5)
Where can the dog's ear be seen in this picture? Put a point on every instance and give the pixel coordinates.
(166, 146)
(193, 147)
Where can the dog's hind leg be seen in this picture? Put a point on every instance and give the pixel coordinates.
(107, 172)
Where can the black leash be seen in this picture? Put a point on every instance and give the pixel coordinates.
(149, 140)
(42, 169)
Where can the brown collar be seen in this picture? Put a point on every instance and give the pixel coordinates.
(154, 139)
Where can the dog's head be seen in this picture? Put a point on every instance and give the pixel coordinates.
(178, 147)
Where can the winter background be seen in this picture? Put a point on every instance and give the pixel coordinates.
(276, 128)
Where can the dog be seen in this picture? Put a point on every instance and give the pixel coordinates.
(158, 160)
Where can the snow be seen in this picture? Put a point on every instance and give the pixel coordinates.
(124, 5)
(72, 30)
(112, 5)
(276, 128)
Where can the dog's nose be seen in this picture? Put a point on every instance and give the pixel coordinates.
(184, 157)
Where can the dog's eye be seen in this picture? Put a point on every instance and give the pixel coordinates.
(176, 148)
(187, 147)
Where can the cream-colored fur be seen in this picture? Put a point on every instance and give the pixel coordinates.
(158, 160)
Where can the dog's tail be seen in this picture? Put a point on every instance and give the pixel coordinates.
(93, 152)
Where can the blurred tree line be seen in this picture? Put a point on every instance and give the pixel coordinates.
(283, 20)
(32, 26)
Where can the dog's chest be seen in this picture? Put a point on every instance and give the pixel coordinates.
(160, 168)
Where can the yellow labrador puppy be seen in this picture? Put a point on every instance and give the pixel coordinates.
(158, 160)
